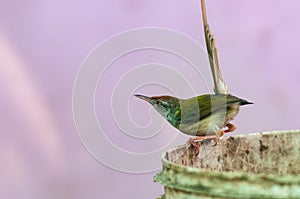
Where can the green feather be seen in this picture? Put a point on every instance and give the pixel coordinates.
(197, 108)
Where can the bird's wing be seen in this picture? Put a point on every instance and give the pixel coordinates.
(203, 106)
(220, 86)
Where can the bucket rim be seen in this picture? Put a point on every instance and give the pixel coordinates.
(225, 174)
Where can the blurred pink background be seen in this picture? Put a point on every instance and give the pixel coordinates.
(43, 43)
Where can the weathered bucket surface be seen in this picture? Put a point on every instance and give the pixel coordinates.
(260, 165)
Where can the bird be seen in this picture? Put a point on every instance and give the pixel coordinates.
(203, 116)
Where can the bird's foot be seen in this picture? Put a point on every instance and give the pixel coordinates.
(216, 140)
(197, 141)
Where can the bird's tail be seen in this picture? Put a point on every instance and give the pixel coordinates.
(220, 86)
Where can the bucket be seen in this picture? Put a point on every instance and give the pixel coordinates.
(258, 165)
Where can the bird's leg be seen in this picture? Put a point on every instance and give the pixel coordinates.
(196, 141)
(217, 137)
(230, 127)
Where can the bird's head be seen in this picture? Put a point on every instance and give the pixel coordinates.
(163, 104)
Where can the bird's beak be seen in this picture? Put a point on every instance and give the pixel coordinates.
(148, 99)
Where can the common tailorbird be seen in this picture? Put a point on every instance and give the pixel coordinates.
(207, 115)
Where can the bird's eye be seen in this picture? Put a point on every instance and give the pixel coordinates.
(159, 103)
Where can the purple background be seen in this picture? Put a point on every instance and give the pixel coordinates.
(43, 43)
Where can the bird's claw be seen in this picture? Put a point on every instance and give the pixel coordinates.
(194, 142)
